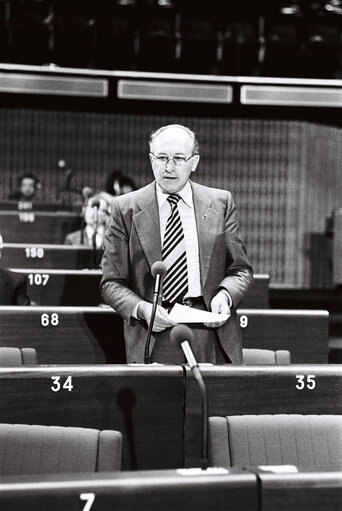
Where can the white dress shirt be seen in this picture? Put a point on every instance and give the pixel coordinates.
(99, 235)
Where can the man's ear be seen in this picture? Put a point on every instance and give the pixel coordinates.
(195, 160)
(151, 158)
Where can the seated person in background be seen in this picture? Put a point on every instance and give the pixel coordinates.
(126, 185)
(112, 186)
(117, 184)
(95, 219)
(12, 286)
(28, 186)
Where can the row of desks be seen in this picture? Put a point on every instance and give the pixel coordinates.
(157, 408)
(82, 287)
(28, 255)
(94, 335)
(233, 490)
(37, 226)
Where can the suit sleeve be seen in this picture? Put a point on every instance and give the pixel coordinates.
(239, 272)
(21, 297)
(115, 284)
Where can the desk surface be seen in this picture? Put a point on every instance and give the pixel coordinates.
(155, 490)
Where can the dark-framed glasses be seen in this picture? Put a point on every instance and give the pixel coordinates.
(179, 161)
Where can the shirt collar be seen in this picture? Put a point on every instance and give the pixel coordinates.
(185, 194)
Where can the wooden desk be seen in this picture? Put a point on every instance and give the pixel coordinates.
(82, 287)
(144, 403)
(40, 256)
(37, 226)
(165, 490)
(94, 335)
(309, 490)
(260, 390)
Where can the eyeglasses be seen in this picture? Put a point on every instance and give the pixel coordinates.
(179, 161)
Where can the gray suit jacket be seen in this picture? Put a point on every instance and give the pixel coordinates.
(132, 244)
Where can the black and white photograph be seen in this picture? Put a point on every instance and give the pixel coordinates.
(170, 255)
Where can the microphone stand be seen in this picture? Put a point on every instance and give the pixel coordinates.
(94, 235)
(203, 391)
(156, 293)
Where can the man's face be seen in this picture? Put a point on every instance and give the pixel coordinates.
(173, 142)
(27, 187)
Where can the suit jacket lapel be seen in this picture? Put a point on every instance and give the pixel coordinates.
(147, 224)
(206, 221)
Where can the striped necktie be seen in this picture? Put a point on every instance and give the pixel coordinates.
(175, 283)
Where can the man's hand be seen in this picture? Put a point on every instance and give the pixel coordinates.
(220, 305)
(161, 320)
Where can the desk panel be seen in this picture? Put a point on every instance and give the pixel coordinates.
(305, 333)
(37, 226)
(154, 491)
(40, 256)
(145, 404)
(95, 335)
(260, 390)
(65, 335)
(306, 491)
(63, 287)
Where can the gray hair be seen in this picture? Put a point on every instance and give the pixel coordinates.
(191, 134)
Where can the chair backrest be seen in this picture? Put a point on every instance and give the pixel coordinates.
(251, 440)
(26, 449)
(265, 357)
(12, 357)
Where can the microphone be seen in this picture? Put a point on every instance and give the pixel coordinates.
(182, 335)
(158, 271)
(95, 204)
(87, 192)
(67, 180)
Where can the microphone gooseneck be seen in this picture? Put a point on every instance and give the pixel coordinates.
(158, 271)
(182, 335)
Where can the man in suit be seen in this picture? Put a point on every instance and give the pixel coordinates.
(210, 270)
(95, 223)
(12, 286)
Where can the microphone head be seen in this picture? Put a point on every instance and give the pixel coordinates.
(158, 268)
(95, 203)
(180, 333)
(87, 192)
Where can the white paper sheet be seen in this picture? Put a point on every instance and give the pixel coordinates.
(184, 314)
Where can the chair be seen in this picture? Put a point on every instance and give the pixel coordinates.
(12, 357)
(251, 440)
(26, 449)
(253, 357)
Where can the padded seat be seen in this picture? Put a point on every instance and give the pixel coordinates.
(251, 440)
(265, 357)
(12, 357)
(26, 449)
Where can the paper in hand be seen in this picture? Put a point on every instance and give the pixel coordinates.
(184, 314)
